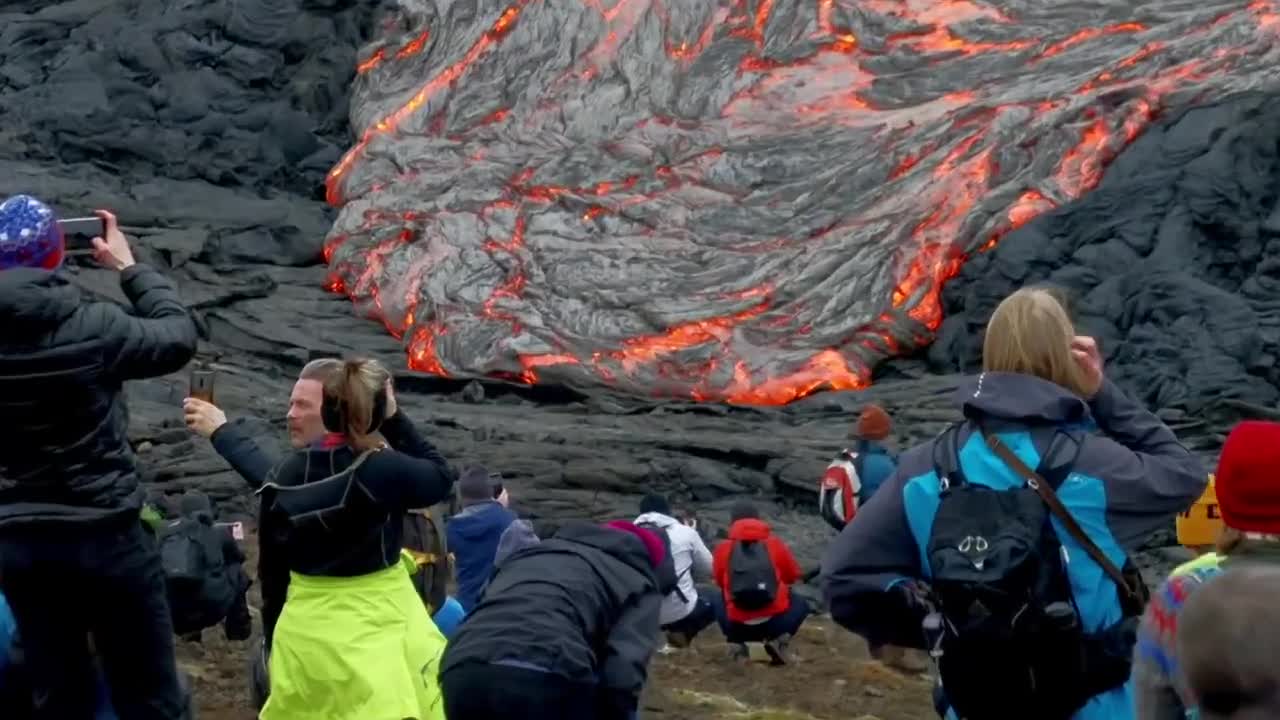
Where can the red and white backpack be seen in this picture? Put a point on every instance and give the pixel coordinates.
(838, 491)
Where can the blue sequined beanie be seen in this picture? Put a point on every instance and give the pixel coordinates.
(29, 235)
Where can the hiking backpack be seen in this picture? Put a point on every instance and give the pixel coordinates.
(753, 581)
(1009, 640)
(839, 488)
(668, 580)
(187, 560)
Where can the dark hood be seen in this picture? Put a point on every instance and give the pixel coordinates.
(623, 546)
(1021, 398)
(33, 302)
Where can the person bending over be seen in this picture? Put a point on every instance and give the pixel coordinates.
(204, 569)
(754, 569)
(74, 556)
(564, 631)
(684, 614)
(355, 640)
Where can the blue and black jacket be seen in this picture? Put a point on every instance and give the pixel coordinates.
(1126, 482)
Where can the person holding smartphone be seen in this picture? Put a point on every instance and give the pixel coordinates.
(70, 499)
(473, 534)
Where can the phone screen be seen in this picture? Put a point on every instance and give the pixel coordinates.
(78, 232)
(202, 384)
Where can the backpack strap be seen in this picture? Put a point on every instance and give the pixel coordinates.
(946, 458)
(1050, 497)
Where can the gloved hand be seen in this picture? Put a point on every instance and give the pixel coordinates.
(616, 704)
(916, 595)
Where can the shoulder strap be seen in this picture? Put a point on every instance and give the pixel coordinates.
(946, 457)
(1060, 511)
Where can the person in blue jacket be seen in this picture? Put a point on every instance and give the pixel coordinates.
(473, 534)
(1125, 482)
(854, 475)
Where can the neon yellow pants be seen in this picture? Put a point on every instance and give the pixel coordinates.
(361, 648)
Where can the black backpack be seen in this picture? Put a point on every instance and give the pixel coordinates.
(668, 581)
(753, 581)
(185, 556)
(1010, 638)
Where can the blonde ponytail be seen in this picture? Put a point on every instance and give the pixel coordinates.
(354, 390)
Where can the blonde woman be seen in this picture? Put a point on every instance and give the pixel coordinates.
(354, 641)
(1001, 545)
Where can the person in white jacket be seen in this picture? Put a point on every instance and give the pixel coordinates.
(684, 614)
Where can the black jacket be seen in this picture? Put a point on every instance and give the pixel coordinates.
(353, 524)
(583, 604)
(64, 450)
(234, 441)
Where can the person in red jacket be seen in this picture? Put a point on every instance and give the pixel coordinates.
(754, 570)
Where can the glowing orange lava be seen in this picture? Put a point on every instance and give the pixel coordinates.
(839, 71)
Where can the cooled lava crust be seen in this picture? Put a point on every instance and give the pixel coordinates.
(745, 200)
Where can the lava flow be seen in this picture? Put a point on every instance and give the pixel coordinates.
(742, 201)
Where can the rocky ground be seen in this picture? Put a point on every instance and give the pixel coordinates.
(831, 677)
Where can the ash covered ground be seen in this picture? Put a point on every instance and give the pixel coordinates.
(806, 176)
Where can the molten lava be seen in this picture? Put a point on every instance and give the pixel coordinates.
(745, 200)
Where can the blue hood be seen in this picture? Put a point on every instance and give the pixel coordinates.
(1026, 399)
(486, 519)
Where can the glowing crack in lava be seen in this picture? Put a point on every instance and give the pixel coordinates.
(743, 201)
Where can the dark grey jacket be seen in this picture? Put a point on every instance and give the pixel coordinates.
(582, 604)
(64, 450)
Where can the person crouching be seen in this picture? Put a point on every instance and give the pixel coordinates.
(354, 641)
(564, 631)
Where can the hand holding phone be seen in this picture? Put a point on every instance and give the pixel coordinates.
(78, 233)
(202, 384)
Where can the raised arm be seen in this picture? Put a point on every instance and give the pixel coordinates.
(159, 340)
(401, 480)
(235, 443)
(1149, 475)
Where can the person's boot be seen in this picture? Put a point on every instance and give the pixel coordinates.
(777, 649)
(901, 659)
(678, 640)
(739, 652)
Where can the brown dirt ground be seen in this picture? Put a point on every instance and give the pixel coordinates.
(831, 677)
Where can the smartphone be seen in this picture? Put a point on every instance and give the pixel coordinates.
(495, 484)
(78, 232)
(202, 384)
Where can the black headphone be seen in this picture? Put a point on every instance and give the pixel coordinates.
(333, 412)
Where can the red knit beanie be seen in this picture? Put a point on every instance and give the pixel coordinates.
(1248, 479)
(873, 424)
(652, 543)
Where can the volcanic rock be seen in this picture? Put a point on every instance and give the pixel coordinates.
(209, 127)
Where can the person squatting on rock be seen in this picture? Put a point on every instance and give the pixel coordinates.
(754, 569)
(967, 514)
(474, 532)
(1227, 642)
(565, 630)
(355, 640)
(70, 498)
(204, 571)
(684, 614)
(854, 475)
(1248, 492)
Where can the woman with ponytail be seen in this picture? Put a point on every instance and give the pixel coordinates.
(355, 641)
